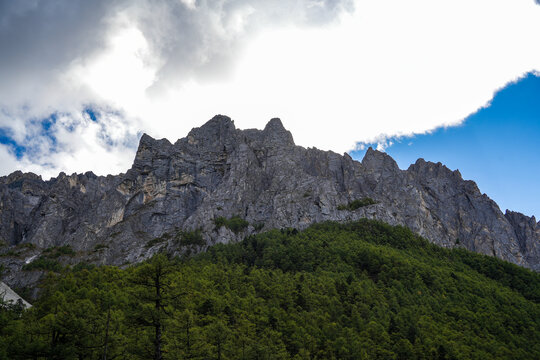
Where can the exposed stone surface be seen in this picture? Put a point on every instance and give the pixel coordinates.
(11, 297)
(259, 175)
(528, 234)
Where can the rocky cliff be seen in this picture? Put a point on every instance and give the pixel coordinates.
(173, 194)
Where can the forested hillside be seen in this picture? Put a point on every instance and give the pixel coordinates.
(363, 290)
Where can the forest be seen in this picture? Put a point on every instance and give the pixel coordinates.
(361, 290)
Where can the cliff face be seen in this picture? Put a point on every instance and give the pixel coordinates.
(258, 175)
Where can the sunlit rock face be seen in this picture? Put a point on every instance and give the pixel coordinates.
(10, 297)
(258, 175)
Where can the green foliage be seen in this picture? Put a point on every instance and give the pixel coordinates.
(236, 224)
(258, 226)
(82, 266)
(17, 251)
(187, 238)
(356, 204)
(10, 253)
(29, 246)
(43, 263)
(510, 275)
(364, 290)
(57, 251)
(220, 221)
(47, 261)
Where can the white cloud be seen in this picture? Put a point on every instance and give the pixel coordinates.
(335, 76)
(390, 69)
(75, 143)
(8, 161)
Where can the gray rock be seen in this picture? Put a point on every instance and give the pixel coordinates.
(259, 175)
(527, 232)
(11, 297)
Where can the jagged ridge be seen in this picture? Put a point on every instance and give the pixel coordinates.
(258, 175)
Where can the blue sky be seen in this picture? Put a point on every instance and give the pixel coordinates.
(498, 147)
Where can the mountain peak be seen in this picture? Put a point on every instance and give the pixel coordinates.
(216, 134)
(221, 120)
(146, 139)
(218, 125)
(276, 133)
(148, 150)
(377, 160)
(274, 124)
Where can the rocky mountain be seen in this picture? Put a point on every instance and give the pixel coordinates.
(177, 197)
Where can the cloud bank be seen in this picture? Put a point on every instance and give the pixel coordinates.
(81, 81)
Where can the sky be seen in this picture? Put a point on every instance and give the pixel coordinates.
(498, 147)
(81, 81)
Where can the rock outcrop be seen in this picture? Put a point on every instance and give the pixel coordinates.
(258, 175)
(10, 297)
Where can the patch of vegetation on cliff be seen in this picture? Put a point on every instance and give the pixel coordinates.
(48, 260)
(57, 251)
(11, 253)
(236, 224)
(356, 204)
(43, 263)
(342, 291)
(258, 226)
(188, 238)
(181, 238)
(17, 251)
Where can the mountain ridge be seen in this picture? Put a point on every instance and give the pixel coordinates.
(260, 176)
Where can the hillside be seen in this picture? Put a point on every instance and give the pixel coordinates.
(361, 290)
(258, 178)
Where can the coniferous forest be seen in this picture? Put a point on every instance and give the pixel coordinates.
(363, 290)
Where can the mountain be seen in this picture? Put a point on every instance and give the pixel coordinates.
(219, 184)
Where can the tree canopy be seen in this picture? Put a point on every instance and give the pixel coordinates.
(363, 290)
